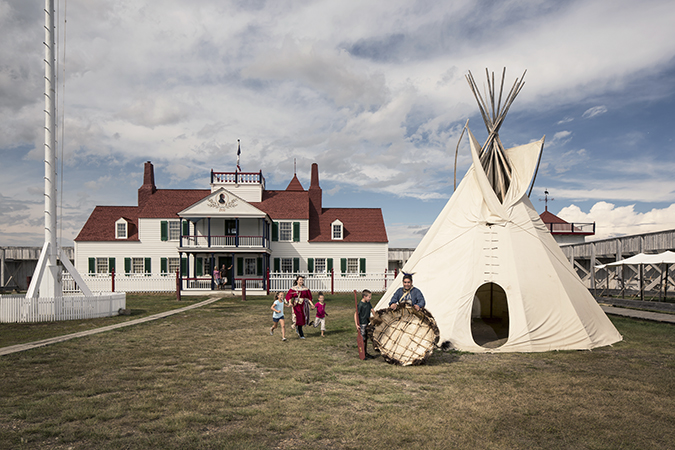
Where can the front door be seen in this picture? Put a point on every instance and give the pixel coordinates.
(227, 262)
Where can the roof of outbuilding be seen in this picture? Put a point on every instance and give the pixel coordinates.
(548, 217)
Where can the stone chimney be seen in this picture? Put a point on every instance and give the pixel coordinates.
(315, 206)
(148, 188)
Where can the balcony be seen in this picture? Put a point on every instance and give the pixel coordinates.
(224, 242)
(571, 228)
(238, 178)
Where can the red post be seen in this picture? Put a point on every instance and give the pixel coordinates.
(395, 272)
(332, 281)
(243, 289)
(178, 284)
(268, 281)
(113, 279)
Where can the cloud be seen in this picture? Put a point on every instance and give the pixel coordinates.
(613, 221)
(594, 111)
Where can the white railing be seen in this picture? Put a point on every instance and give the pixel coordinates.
(196, 283)
(123, 283)
(325, 282)
(255, 283)
(16, 308)
(200, 241)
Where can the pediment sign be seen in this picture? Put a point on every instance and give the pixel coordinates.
(223, 201)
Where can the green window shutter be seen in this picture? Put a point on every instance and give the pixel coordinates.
(164, 228)
(111, 264)
(259, 268)
(186, 228)
(296, 231)
(329, 264)
(183, 266)
(199, 271)
(362, 266)
(92, 265)
(127, 265)
(277, 264)
(240, 267)
(343, 265)
(275, 231)
(310, 265)
(148, 266)
(296, 265)
(163, 265)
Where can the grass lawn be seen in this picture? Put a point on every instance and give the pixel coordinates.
(213, 377)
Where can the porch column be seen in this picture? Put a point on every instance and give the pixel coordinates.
(236, 234)
(208, 221)
(233, 271)
(213, 261)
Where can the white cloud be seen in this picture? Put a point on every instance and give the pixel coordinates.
(612, 221)
(594, 111)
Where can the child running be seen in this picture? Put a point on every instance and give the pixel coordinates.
(278, 315)
(320, 313)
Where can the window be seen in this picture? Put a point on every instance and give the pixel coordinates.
(352, 265)
(336, 230)
(174, 264)
(121, 229)
(102, 265)
(174, 230)
(287, 265)
(137, 265)
(286, 231)
(320, 265)
(250, 266)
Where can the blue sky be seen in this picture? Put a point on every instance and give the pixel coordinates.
(373, 91)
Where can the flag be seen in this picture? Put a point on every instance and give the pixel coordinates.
(238, 154)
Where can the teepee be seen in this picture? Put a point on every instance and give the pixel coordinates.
(492, 275)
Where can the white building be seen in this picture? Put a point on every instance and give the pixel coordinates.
(236, 223)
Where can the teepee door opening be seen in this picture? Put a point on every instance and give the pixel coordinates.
(490, 316)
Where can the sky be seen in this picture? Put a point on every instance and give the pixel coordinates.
(372, 91)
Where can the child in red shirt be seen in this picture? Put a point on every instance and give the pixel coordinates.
(320, 313)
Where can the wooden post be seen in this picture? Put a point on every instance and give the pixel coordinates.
(243, 289)
(112, 273)
(665, 286)
(178, 284)
(385, 279)
(268, 281)
(642, 286)
(332, 281)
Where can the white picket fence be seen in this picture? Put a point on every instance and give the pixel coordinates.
(326, 282)
(375, 282)
(123, 283)
(18, 309)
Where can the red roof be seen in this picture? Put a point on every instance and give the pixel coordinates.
(167, 203)
(285, 204)
(548, 217)
(295, 185)
(358, 225)
(101, 224)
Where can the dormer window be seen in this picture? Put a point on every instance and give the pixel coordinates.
(121, 229)
(337, 231)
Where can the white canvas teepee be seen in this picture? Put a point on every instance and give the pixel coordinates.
(491, 260)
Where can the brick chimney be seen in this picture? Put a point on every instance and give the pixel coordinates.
(148, 188)
(315, 200)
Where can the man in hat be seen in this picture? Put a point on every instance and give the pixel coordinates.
(408, 294)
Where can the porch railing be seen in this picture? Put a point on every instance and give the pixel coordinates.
(580, 228)
(229, 241)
